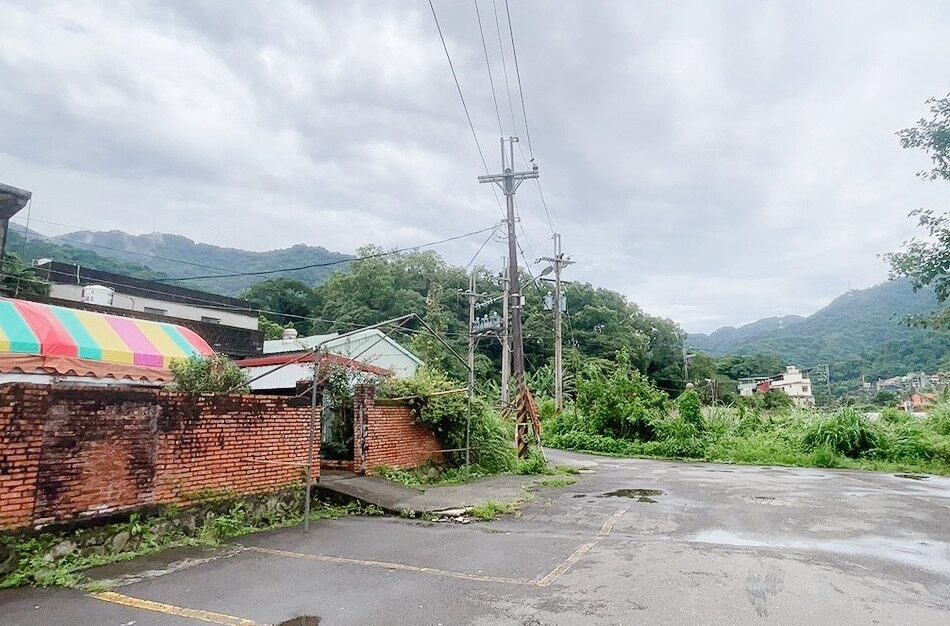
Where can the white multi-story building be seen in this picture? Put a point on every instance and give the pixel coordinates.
(229, 325)
(792, 382)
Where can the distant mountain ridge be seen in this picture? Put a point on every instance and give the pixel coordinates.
(861, 332)
(176, 256)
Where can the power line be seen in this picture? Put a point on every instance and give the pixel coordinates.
(29, 214)
(491, 80)
(504, 67)
(458, 86)
(193, 300)
(217, 305)
(81, 244)
(514, 53)
(511, 111)
(331, 263)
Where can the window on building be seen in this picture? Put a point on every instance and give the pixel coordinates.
(210, 320)
(804, 388)
(155, 311)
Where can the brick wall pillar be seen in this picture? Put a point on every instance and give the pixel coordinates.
(364, 399)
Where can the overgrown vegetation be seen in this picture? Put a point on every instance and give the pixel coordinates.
(492, 510)
(59, 559)
(747, 433)
(212, 374)
(844, 438)
(445, 410)
(18, 280)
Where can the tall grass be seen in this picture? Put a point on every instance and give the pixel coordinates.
(798, 437)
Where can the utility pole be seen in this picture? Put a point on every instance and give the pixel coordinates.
(509, 181)
(686, 357)
(505, 343)
(558, 262)
(472, 294)
(471, 333)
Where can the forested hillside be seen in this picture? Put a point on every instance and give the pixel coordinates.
(862, 332)
(179, 257)
(36, 246)
(599, 322)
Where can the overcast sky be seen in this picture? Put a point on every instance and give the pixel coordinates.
(716, 162)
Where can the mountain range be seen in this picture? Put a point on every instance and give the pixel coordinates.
(863, 332)
(162, 255)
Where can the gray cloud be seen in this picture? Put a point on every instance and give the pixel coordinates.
(714, 162)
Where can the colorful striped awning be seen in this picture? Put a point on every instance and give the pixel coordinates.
(31, 328)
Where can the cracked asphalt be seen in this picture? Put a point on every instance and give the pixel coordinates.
(632, 541)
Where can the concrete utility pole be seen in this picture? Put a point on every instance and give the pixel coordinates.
(471, 333)
(686, 357)
(472, 294)
(558, 262)
(509, 181)
(505, 342)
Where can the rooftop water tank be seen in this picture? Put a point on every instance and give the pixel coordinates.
(289, 333)
(97, 294)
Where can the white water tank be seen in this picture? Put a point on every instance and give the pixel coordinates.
(97, 294)
(289, 333)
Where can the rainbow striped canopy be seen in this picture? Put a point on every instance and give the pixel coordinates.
(32, 328)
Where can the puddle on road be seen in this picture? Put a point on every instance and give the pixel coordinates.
(580, 495)
(640, 495)
(303, 620)
(912, 476)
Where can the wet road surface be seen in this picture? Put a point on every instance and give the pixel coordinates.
(632, 541)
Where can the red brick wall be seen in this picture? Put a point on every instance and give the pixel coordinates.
(75, 452)
(393, 436)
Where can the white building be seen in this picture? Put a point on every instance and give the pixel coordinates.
(228, 324)
(792, 382)
(79, 284)
(370, 346)
(369, 351)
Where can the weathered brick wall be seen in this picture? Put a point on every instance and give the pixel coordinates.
(393, 436)
(75, 452)
(20, 446)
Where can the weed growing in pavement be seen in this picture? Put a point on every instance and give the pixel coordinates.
(435, 476)
(492, 510)
(558, 481)
(39, 562)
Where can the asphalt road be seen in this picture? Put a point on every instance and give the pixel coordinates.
(702, 543)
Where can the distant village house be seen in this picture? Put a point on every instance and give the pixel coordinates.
(792, 382)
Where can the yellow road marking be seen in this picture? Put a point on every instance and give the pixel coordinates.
(171, 609)
(611, 522)
(568, 563)
(390, 566)
(581, 550)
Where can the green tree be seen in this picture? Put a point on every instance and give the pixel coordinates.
(885, 398)
(286, 300)
(736, 367)
(690, 409)
(19, 281)
(271, 330)
(617, 400)
(926, 261)
(212, 374)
